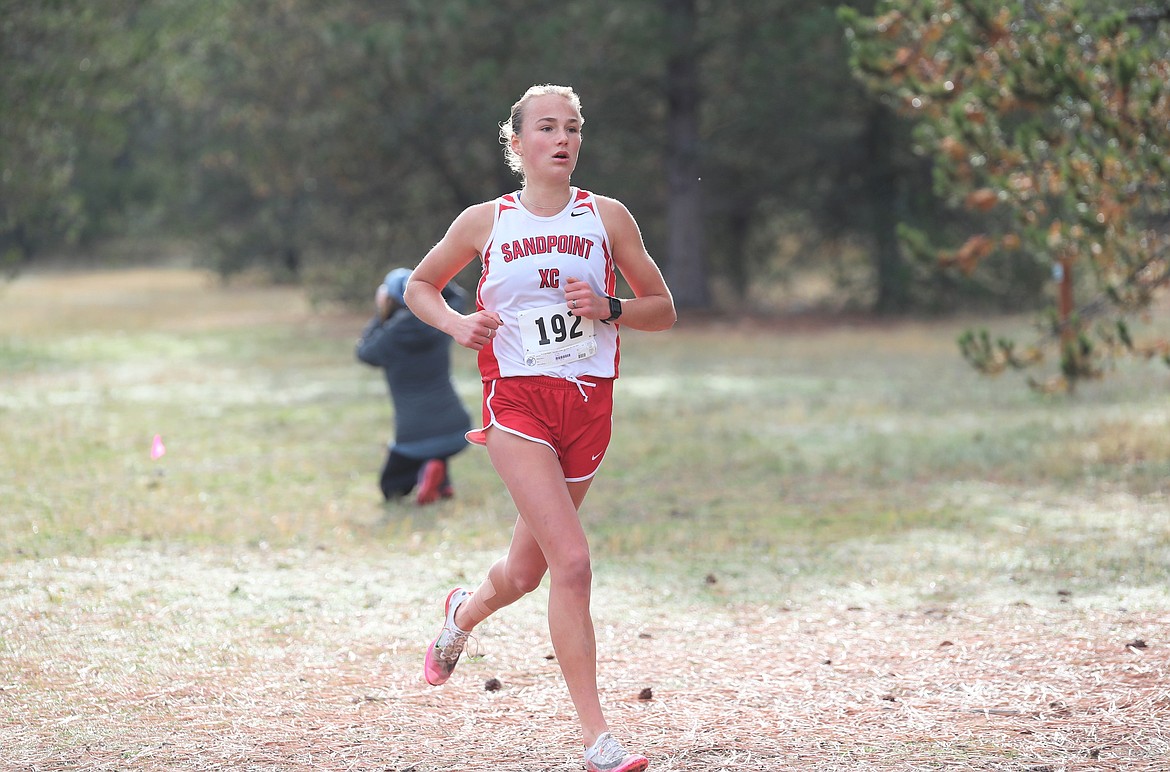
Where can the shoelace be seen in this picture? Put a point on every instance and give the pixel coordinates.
(580, 384)
(450, 651)
(610, 751)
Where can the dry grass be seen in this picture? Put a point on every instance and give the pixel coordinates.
(196, 660)
(861, 558)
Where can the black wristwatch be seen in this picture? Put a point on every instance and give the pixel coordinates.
(615, 310)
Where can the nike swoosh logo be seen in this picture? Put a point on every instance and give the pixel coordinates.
(577, 213)
(598, 455)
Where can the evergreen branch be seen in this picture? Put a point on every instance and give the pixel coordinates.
(1149, 15)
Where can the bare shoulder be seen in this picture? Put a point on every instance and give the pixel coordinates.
(460, 245)
(615, 216)
(470, 229)
(476, 218)
(481, 210)
(611, 207)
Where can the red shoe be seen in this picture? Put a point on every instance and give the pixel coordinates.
(430, 481)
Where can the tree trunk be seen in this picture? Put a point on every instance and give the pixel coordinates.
(889, 268)
(685, 268)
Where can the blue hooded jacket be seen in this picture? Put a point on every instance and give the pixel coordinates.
(429, 418)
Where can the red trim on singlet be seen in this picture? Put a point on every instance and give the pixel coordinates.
(489, 350)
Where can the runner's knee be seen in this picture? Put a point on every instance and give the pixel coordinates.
(573, 572)
(524, 579)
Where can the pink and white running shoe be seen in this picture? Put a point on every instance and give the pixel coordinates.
(443, 653)
(608, 755)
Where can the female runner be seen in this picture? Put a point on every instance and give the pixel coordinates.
(546, 329)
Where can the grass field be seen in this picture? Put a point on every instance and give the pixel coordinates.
(818, 546)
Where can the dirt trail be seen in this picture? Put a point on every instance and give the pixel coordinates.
(210, 661)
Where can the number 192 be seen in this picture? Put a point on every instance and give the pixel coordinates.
(561, 330)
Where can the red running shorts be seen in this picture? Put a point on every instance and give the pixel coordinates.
(574, 418)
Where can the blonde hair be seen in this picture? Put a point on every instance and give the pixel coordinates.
(515, 122)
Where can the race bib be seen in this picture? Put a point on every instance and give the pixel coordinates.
(552, 336)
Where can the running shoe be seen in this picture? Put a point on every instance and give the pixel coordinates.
(430, 481)
(443, 653)
(608, 755)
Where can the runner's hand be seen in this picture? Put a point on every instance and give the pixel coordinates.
(583, 302)
(473, 331)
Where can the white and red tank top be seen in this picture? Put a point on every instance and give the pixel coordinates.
(526, 261)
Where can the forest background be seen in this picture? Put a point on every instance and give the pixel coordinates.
(323, 144)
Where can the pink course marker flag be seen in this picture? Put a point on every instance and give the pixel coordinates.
(157, 449)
